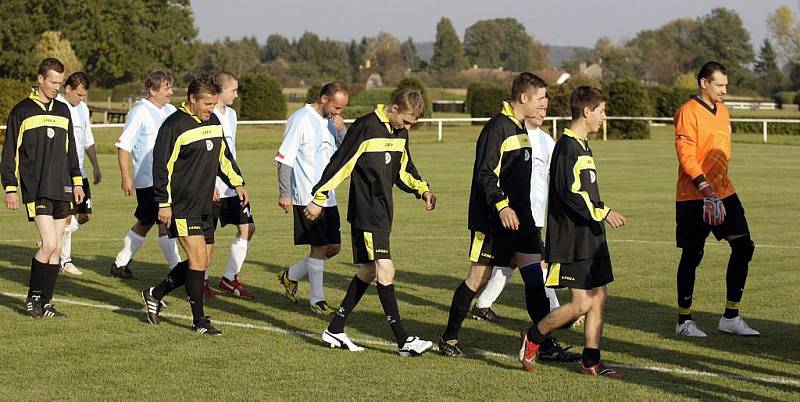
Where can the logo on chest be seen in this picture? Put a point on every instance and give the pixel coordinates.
(527, 155)
(50, 132)
(388, 158)
(209, 145)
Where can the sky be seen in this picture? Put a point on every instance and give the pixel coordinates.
(554, 22)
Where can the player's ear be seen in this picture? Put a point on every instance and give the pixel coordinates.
(586, 111)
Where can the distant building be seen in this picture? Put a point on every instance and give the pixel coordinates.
(553, 76)
(374, 81)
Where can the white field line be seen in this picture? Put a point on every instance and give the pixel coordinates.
(666, 242)
(269, 328)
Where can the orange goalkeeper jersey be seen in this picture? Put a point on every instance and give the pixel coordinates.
(703, 144)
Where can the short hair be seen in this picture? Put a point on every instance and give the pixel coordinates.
(155, 79)
(410, 101)
(524, 82)
(332, 88)
(225, 77)
(50, 64)
(204, 84)
(709, 69)
(77, 79)
(585, 96)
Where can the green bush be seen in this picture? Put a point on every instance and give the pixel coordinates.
(354, 112)
(758, 127)
(414, 83)
(312, 95)
(372, 97)
(485, 100)
(559, 95)
(628, 98)
(667, 100)
(261, 98)
(121, 92)
(11, 93)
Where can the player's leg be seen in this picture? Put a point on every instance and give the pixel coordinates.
(690, 233)
(591, 362)
(43, 272)
(334, 334)
(169, 247)
(302, 230)
(482, 310)
(325, 232)
(462, 298)
(196, 249)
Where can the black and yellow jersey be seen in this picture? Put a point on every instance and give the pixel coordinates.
(575, 213)
(377, 157)
(187, 157)
(501, 175)
(40, 150)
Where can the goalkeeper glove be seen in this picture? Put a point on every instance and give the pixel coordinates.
(713, 208)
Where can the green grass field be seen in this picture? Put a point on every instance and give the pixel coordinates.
(271, 350)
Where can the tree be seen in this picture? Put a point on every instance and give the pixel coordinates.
(784, 25)
(261, 98)
(237, 56)
(51, 45)
(618, 62)
(448, 54)
(503, 42)
(277, 47)
(661, 55)
(766, 67)
(315, 59)
(409, 53)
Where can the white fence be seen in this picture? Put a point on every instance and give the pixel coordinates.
(440, 123)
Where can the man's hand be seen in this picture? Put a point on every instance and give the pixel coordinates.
(98, 176)
(615, 219)
(285, 203)
(12, 201)
(127, 186)
(338, 122)
(430, 200)
(312, 211)
(509, 218)
(244, 195)
(78, 194)
(165, 215)
(713, 208)
(215, 196)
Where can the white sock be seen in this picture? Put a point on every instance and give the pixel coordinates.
(298, 271)
(131, 243)
(170, 249)
(551, 293)
(236, 259)
(66, 245)
(315, 272)
(205, 278)
(497, 282)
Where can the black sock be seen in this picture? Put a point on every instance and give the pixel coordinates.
(50, 276)
(534, 335)
(389, 303)
(535, 297)
(37, 279)
(690, 259)
(351, 298)
(590, 357)
(462, 298)
(175, 279)
(194, 288)
(742, 249)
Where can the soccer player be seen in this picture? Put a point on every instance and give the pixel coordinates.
(577, 250)
(500, 218)
(375, 153)
(227, 208)
(40, 161)
(75, 90)
(706, 200)
(137, 140)
(312, 135)
(541, 147)
(189, 153)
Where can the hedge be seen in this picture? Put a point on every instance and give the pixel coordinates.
(485, 100)
(11, 93)
(261, 98)
(628, 98)
(371, 97)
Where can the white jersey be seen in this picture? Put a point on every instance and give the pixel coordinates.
(139, 136)
(81, 127)
(542, 145)
(308, 144)
(228, 120)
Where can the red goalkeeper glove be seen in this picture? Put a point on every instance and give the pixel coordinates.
(713, 208)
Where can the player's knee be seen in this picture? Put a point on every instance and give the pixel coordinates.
(83, 218)
(332, 250)
(49, 248)
(583, 306)
(743, 247)
(691, 257)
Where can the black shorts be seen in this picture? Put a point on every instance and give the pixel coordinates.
(228, 211)
(182, 227)
(324, 231)
(46, 206)
(583, 274)
(691, 230)
(146, 206)
(86, 206)
(498, 248)
(370, 246)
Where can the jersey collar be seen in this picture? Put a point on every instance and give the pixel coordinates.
(508, 111)
(382, 117)
(571, 134)
(35, 97)
(185, 109)
(705, 105)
